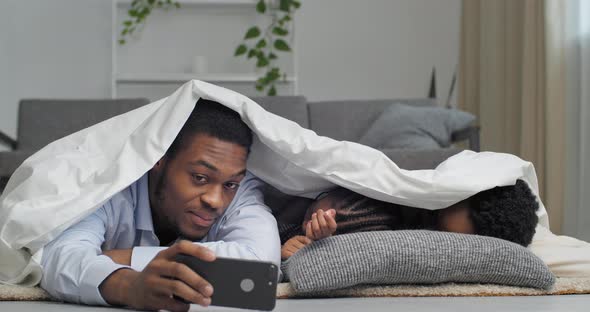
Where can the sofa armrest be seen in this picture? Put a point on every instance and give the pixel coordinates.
(471, 134)
(8, 141)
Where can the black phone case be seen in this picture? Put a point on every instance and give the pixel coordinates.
(238, 283)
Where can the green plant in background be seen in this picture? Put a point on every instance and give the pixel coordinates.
(264, 47)
(139, 11)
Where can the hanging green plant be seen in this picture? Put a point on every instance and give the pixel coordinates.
(266, 46)
(138, 13)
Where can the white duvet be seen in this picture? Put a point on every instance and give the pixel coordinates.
(68, 179)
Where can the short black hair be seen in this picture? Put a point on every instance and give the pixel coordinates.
(216, 120)
(506, 212)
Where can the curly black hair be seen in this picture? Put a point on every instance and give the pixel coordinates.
(506, 212)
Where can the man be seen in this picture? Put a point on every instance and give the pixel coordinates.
(199, 190)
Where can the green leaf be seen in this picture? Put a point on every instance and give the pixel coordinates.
(132, 13)
(151, 1)
(280, 31)
(281, 45)
(127, 23)
(296, 4)
(272, 56)
(261, 44)
(259, 87)
(262, 61)
(273, 75)
(287, 18)
(252, 53)
(284, 5)
(272, 91)
(177, 5)
(121, 41)
(253, 32)
(241, 49)
(261, 7)
(124, 32)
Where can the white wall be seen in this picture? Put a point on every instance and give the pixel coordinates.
(345, 49)
(351, 49)
(53, 49)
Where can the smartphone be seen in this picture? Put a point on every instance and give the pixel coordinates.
(238, 283)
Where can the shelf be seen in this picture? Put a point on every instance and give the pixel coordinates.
(126, 3)
(184, 77)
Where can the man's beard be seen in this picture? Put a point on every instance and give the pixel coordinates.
(162, 223)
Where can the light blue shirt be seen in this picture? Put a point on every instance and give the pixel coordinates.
(73, 264)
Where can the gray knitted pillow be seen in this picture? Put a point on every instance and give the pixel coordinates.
(413, 257)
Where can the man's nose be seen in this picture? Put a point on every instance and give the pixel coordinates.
(213, 197)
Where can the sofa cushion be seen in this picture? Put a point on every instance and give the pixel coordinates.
(349, 120)
(41, 122)
(291, 107)
(410, 127)
(413, 257)
(9, 161)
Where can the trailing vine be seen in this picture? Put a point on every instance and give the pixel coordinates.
(138, 13)
(264, 47)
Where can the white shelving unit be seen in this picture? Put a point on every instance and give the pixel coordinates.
(182, 77)
(123, 78)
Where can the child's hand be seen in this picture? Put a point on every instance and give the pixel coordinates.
(321, 225)
(293, 245)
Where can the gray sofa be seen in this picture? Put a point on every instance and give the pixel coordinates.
(43, 121)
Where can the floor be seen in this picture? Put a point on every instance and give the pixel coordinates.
(438, 304)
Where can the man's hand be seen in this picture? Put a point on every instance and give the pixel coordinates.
(120, 256)
(293, 245)
(163, 278)
(321, 225)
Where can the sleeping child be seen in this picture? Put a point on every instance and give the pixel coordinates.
(507, 212)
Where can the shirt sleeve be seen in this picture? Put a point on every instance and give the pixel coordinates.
(248, 230)
(73, 267)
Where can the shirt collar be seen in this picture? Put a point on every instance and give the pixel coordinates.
(143, 210)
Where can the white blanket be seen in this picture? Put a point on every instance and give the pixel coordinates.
(70, 178)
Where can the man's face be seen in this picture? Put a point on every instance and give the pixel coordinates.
(193, 189)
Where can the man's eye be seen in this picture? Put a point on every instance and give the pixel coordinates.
(200, 178)
(233, 186)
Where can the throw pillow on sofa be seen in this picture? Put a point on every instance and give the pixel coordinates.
(404, 126)
(413, 257)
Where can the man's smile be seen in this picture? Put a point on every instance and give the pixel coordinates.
(201, 219)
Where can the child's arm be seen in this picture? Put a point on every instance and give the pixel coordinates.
(321, 225)
(293, 245)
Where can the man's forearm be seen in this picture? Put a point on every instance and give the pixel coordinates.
(120, 256)
(115, 288)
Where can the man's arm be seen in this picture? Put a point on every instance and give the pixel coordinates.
(73, 266)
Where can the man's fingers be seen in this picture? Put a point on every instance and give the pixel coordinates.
(167, 303)
(187, 248)
(184, 274)
(182, 290)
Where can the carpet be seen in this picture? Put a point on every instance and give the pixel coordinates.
(563, 286)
